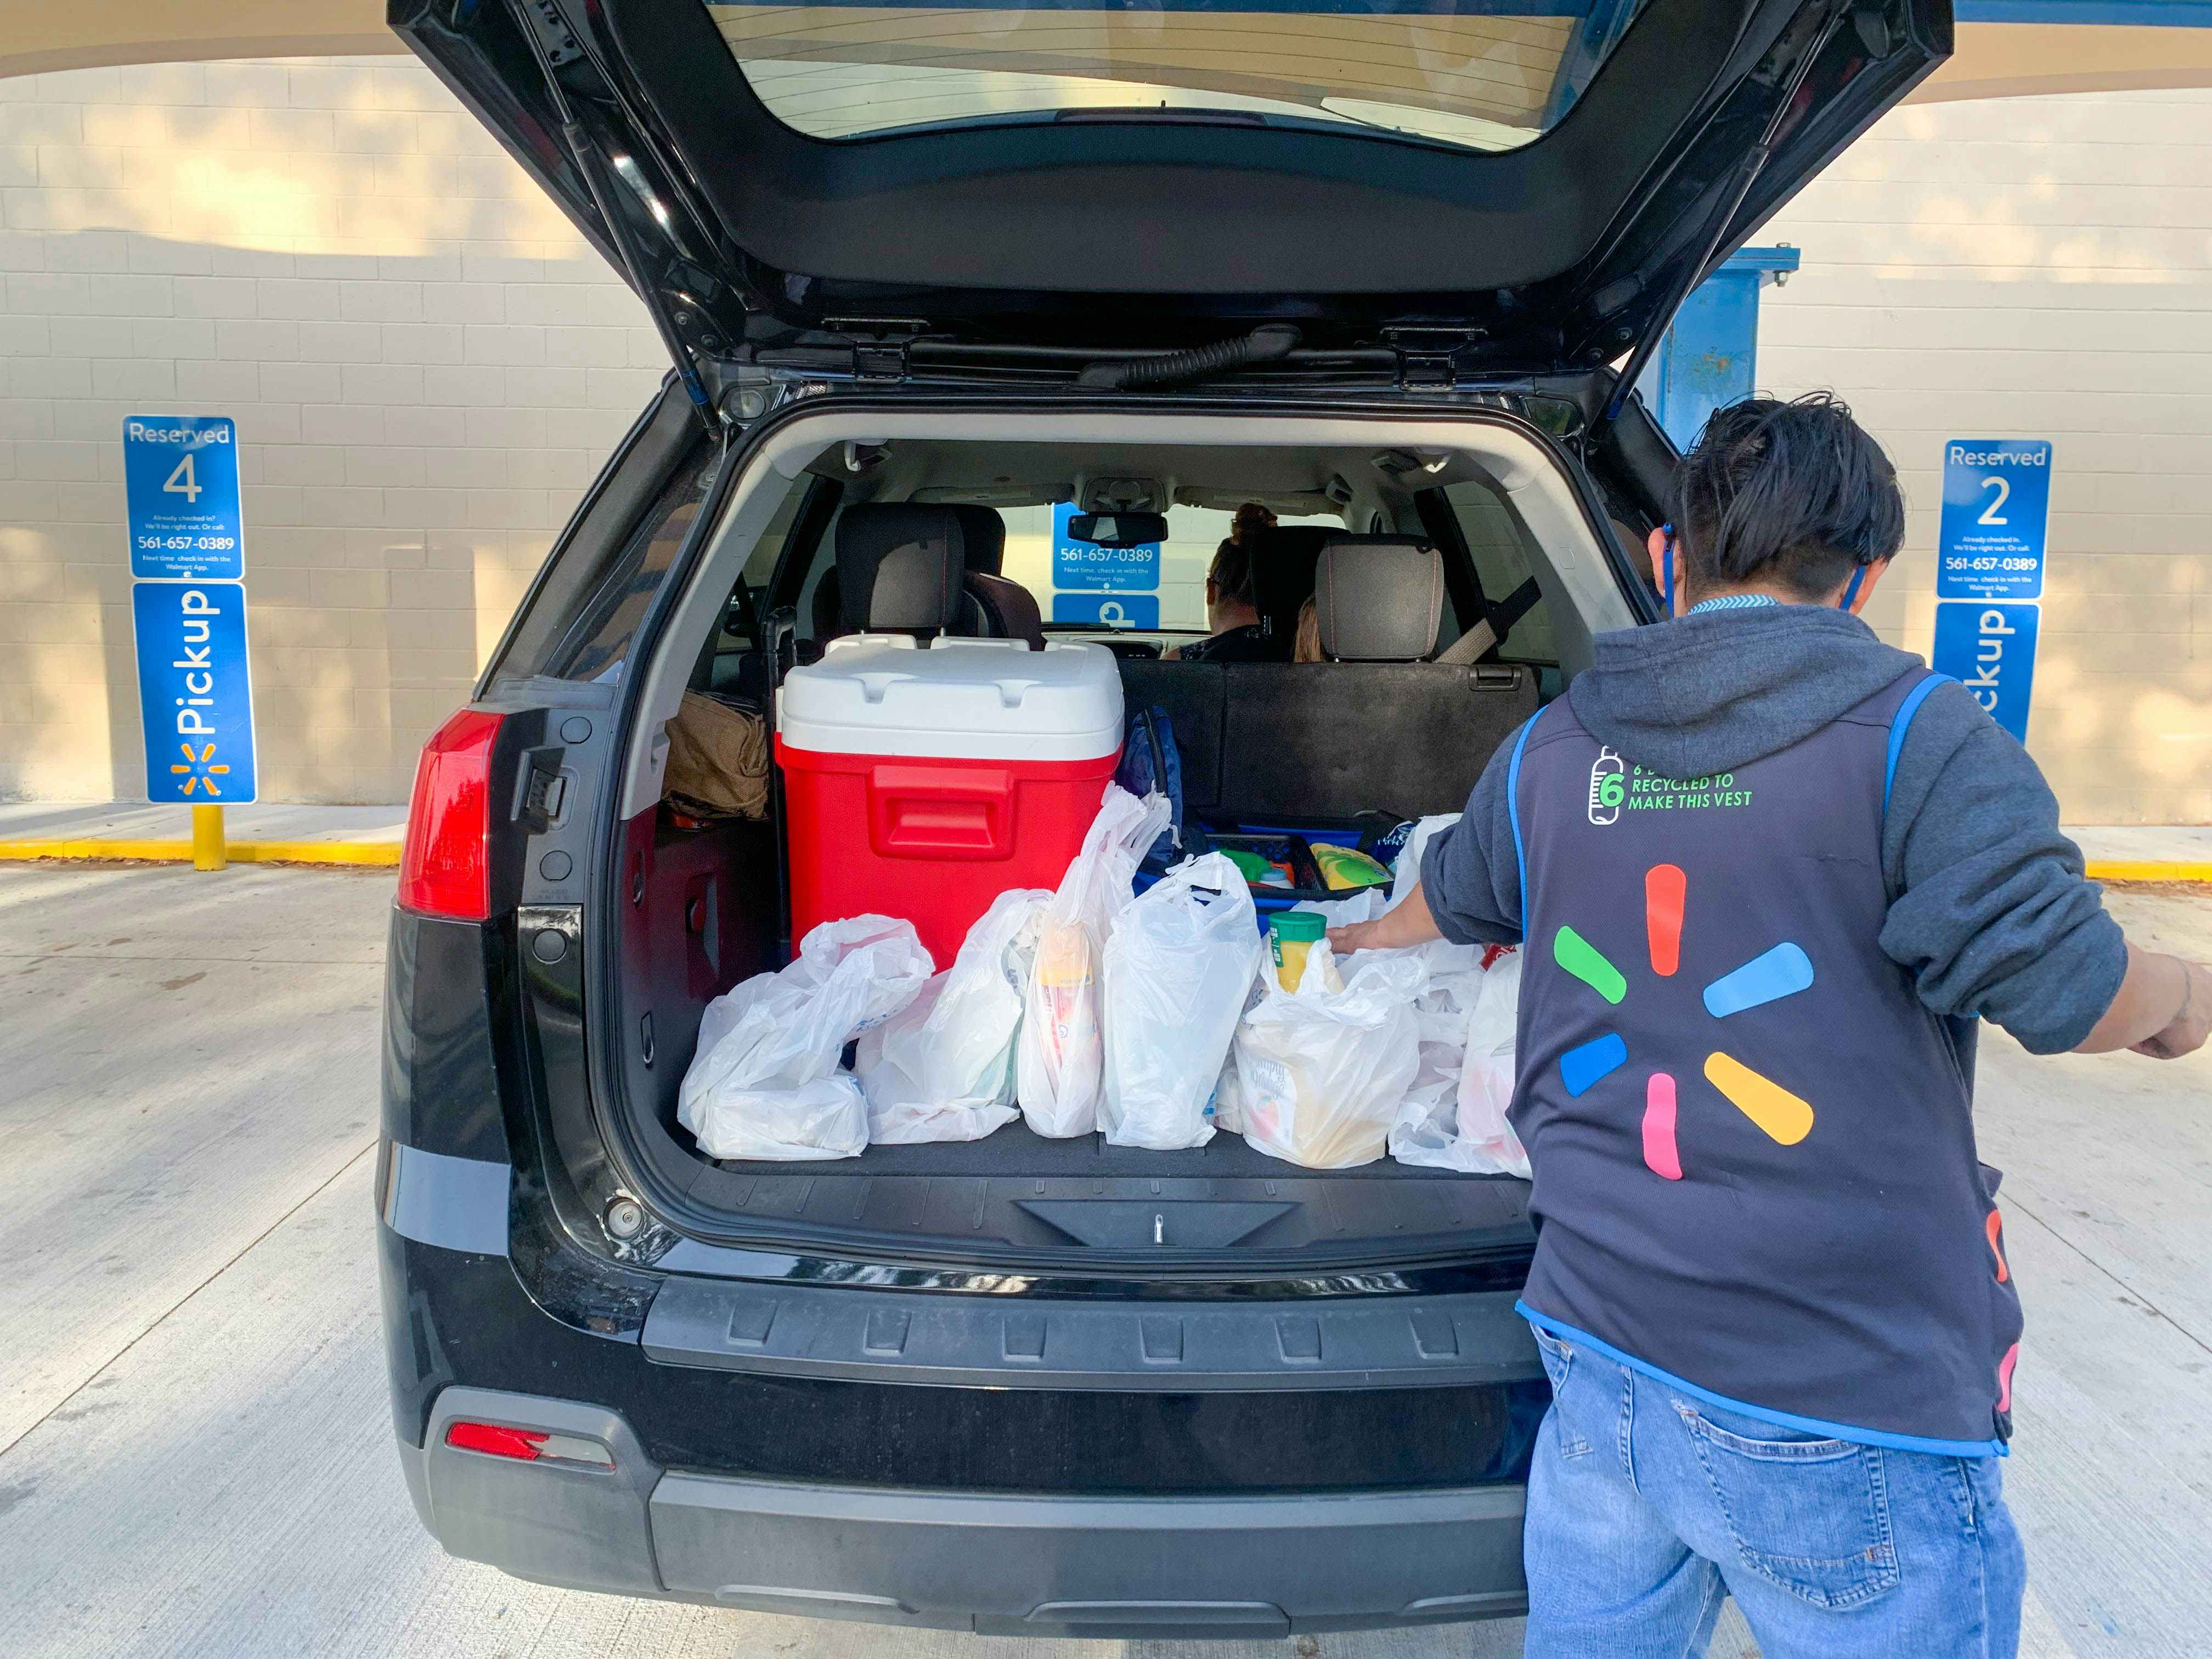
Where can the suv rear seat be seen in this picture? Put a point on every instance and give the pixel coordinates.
(1284, 558)
(1378, 727)
(900, 565)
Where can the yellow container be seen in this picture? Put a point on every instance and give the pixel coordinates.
(1291, 937)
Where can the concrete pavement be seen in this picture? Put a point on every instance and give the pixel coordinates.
(195, 1443)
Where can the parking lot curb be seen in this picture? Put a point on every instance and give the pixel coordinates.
(2149, 870)
(359, 854)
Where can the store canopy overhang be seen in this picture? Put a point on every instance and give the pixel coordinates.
(2022, 48)
(2005, 48)
(94, 33)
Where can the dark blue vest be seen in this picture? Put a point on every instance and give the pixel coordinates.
(1753, 1144)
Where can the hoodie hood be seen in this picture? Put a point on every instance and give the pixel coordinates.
(1714, 692)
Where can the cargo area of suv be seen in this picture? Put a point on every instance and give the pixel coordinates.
(1392, 272)
(1138, 1366)
(1327, 748)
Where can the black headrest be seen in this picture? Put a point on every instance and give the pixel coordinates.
(828, 616)
(899, 568)
(1283, 561)
(987, 538)
(1378, 599)
(1009, 611)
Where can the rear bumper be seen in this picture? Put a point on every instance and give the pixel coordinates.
(1004, 1564)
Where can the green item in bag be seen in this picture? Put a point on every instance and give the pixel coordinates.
(1254, 867)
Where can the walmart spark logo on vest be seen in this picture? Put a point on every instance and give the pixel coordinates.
(1781, 971)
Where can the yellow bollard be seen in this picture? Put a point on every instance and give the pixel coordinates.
(208, 850)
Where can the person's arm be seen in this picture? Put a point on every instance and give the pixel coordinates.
(1469, 891)
(1412, 923)
(2163, 1009)
(1994, 916)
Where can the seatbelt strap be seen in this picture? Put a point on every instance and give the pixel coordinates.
(1514, 606)
(1469, 646)
(1488, 634)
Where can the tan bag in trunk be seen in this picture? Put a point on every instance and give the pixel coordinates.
(717, 760)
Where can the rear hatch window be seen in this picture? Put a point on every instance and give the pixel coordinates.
(1472, 187)
(1487, 75)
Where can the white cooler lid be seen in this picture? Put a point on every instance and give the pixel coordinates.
(887, 694)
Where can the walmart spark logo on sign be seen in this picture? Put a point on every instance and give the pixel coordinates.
(195, 693)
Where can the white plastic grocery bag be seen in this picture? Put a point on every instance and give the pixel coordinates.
(1060, 1058)
(1426, 1131)
(1178, 967)
(764, 1082)
(1406, 870)
(1486, 1079)
(1229, 1089)
(1320, 1074)
(942, 1068)
(1455, 971)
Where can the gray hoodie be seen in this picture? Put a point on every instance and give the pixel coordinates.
(1988, 908)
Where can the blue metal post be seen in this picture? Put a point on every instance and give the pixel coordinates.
(1710, 357)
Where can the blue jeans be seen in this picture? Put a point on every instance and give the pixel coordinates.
(1647, 1507)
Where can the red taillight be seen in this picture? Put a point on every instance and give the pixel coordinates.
(529, 1445)
(445, 869)
(499, 1440)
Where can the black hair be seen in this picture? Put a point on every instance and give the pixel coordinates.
(1231, 570)
(1796, 493)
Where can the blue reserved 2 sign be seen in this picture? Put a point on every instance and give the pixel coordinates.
(1996, 519)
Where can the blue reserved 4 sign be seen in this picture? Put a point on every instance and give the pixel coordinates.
(181, 490)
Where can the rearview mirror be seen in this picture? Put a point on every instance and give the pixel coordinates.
(1119, 529)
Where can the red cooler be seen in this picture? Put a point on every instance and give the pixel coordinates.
(923, 780)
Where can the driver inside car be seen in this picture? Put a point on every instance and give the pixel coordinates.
(1231, 613)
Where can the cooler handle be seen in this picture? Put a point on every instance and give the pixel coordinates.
(923, 811)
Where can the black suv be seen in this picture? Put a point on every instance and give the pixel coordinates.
(1376, 265)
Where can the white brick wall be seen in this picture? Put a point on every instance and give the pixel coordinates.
(2041, 268)
(427, 366)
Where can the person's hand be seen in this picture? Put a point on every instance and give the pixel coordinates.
(1355, 936)
(2185, 1032)
(1406, 923)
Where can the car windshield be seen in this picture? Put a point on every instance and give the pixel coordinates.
(1484, 75)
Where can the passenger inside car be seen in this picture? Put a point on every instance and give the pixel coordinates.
(1238, 632)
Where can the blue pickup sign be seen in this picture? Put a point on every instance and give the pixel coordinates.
(1997, 518)
(1085, 567)
(180, 484)
(1991, 650)
(195, 693)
